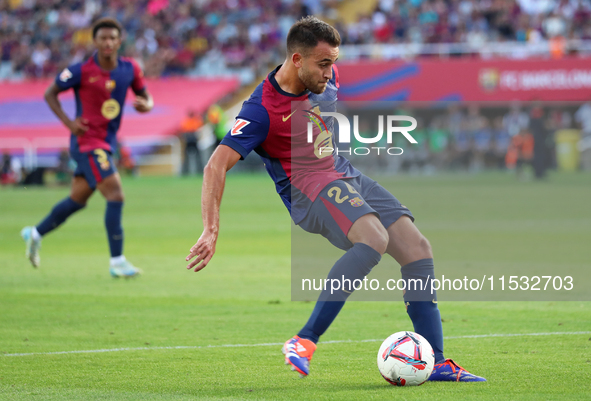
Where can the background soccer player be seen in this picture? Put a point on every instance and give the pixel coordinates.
(376, 223)
(100, 85)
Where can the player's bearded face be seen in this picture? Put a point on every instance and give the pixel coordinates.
(311, 80)
(316, 69)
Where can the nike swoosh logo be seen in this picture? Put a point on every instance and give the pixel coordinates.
(93, 79)
(287, 118)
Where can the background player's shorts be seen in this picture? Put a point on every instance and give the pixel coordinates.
(342, 202)
(94, 166)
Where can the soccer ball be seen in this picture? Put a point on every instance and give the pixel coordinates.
(406, 359)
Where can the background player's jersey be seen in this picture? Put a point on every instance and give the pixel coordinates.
(274, 124)
(100, 96)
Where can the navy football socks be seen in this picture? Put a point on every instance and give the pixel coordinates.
(60, 212)
(355, 264)
(67, 207)
(421, 304)
(114, 229)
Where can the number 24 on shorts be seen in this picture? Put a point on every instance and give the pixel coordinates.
(336, 193)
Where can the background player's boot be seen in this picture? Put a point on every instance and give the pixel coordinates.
(298, 353)
(451, 371)
(124, 269)
(32, 246)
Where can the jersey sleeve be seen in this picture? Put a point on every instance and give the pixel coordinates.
(250, 129)
(69, 77)
(138, 84)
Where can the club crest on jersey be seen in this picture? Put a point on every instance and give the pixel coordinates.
(239, 124)
(356, 201)
(65, 75)
(110, 85)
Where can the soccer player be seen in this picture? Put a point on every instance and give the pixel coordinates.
(100, 85)
(372, 224)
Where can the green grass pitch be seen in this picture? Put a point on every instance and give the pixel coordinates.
(72, 304)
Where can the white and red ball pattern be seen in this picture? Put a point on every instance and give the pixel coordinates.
(406, 359)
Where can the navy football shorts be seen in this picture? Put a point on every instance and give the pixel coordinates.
(342, 202)
(94, 166)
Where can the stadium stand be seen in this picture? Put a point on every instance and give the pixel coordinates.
(172, 37)
(392, 50)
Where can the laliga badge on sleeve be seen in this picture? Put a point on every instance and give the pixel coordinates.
(65, 75)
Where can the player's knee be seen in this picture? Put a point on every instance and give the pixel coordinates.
(369, 231)
(80, 200)
(382, 243)
(377, 239)
(424, 248)
(115, 196)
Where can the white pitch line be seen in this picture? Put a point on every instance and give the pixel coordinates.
(97, 351)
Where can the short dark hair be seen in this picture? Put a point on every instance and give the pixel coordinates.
(307, 32)
(106, 23)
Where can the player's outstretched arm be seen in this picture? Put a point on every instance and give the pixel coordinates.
(78, 126)
(214, 180)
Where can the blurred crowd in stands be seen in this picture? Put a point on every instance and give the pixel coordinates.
(471, 21)
(472, 138)
(39, 37)
(462, 137)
